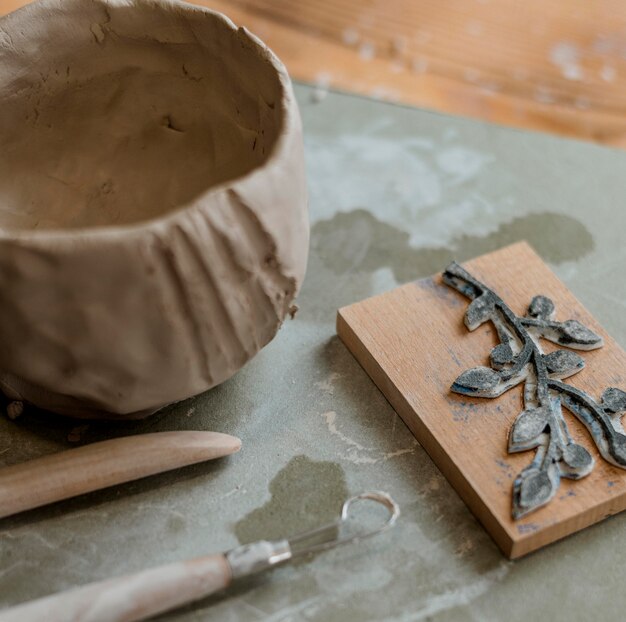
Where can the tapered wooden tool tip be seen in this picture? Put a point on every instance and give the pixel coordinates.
(225, 442)
(189, 446)
(107, 463)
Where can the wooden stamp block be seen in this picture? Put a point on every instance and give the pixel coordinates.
(413, 343)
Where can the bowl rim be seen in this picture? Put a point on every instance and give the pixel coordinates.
(289, 122)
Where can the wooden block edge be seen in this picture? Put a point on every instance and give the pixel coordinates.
(512, 543)
(423, 435)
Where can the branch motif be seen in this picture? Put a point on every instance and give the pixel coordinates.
(518, 358)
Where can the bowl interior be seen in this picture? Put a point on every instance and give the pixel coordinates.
(114, 113)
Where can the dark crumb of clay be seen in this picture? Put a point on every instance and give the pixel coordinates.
(76, 434)
(293, 310)
(15, 409)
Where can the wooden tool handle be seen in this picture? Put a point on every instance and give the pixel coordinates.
(131, 597)
(99, 465)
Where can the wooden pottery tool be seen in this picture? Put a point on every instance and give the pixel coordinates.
(148, 593)
(523, 461)
(100, 465)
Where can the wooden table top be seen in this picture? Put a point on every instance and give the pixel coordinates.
(549, 66)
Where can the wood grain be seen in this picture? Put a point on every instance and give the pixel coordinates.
(551, 66)
(99, 465)
(413, 344)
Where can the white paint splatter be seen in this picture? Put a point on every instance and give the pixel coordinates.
(323, 79)
(472, 210)
(380, 280)
(459, 597)
(350, 36)
(419, 65)
(566, 55)
(404, 175)
(237, 489)
(328, 384)
(573, 72)
(367, 51)
(407, 175)
(608, 73)
(318, 95)
(489, 88)
(471, 75)
(461, 163)
(357, 453)
(322, 84)
(385, 93)
(331, 418)
(368, 577)
(287, 613)
(564, 52)
(399, 452)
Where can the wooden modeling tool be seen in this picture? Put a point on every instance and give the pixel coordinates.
(100, 465)
(151, 592)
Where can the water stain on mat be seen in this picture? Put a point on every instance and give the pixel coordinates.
(305, 494)
(358, 241)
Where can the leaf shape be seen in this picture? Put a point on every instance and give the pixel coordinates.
(536, 489)
(528, 426)
(578, 459)
(614, 400)
(574, 334)
(479, 311)
(617, 449)
(541, 307)
(563, 363)
(478, 381)
(501, 355)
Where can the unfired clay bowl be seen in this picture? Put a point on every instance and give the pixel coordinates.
(153, 217)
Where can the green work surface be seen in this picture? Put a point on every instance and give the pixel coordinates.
(395, 194)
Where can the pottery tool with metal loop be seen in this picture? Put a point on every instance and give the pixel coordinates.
(151, 592)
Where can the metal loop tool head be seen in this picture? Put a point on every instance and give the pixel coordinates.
(305, 543)
(252, 558)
